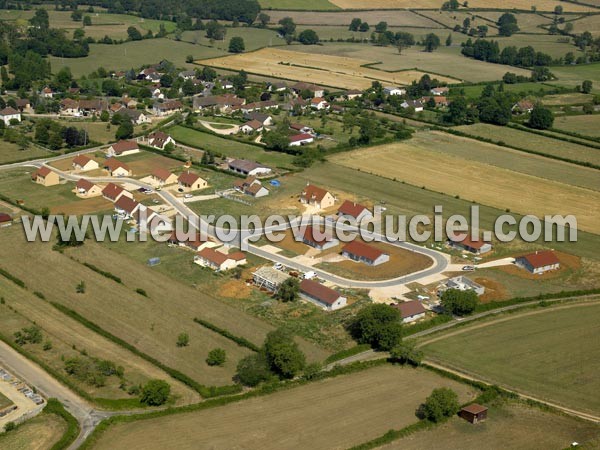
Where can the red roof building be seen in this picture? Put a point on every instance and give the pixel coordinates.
(352, 210)
(411, 310)
(318, 239)
(323, 296)
(477, 246)
(361, 252)
(539, 262)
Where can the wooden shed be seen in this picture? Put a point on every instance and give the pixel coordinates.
(473, 413)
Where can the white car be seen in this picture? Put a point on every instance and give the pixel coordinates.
(278, 266)
(468, 268)
(188, 196)
(309, 275)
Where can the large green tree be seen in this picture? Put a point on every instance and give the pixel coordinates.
(379, 326)
(459, 302)
(155, 393)
(236, 45)
(441, 404)
(283, 354)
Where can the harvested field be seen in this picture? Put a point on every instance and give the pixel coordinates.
(587, 125)
(510, 426)
(342, 18)
(549, 353)
(311, 5)
(333, 413)
(334, 71)
(534, 142)
(542, 5)
(588, 23)
(567, 99)
(486, 184)
(82, 206)
(38, 433)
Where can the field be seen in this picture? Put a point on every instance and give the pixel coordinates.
(333, 413)
(342, 18)
(342, 72)
(10, 152)
(573, 98)
(444, 61)
(510, 426)
(254, 38)
(97, 131)
(312, 5)
(534, 142)
(551, 354)
(41, 432)
(4, 402)
(572, 76)
(133, 54)
(523, 89)
(587, 23)
(476, 181)
(586, 125)
(66, 333)
(542, 5)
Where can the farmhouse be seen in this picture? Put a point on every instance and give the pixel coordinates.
(7, 114)
(319, 103)
(189, 181)
(539, 262)
(473, 413)
(523, 106)
(69, 107)
(113, 192)
(246, 167)
(410, 311)
(415, 104)
(315, 196)
(163, 177)
(116, 168)
(166, 108)
(127, 206)
(216, 260)
(440, 91)
(251, 186)
(352, 94)
(321, 240)
(264, 119)
(316, 91)
(160, 139)
(361, 252)
(474, 246)
(135, 115)
(324, 297)
(353, 212)
(269, 278)
(87, 189)
(84, 163)
(391, 90)
(92, 107)
(251, 126)
(218, 102)
(297, 140)
(45, 177)
(465, 284)
(122, 148)
(5, 220)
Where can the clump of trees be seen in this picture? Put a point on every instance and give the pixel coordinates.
(308, 37)
(54, 136)
(237, 45)
(507, 24)
(289, 290)
(440, 405)
(379, 326)
(92, 371)
(216, 357)
(155, 393)
(541, 118)
(29, 335)
(460, 303)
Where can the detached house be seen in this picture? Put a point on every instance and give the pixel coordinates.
(319, 103)
(474, 246)
(5, 220)
(113, 192)
(7, 114)
(353, 212)
(122, 148)
(163, 177)
(116, 168)
(160, 139)
(264, 119)
(411, 310)
(196, 243)
(321, 240)
(539, 262)
(440, 91)
(315, 196)
(316, 91)
(166, 108)
(246, 167)
(523, 106)
(297, 140)
(324, 297)
(127, 206)
(45, 177)
(251, 186)
(218, 261)
(365, 253)
(415, 104)
(69, 107)
(391, 90)
(84, 163)
(189, 181)
(252, 126)
(87, 189)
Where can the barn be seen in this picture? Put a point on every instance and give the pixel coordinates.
(473, 413)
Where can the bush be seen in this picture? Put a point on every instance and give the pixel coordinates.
(541, 118)
(441, 404)
(253, 370)
(379, 326)
(29, 335)
(458, 302)
(9, 426)
(407, 353)
(216, 357)
(183, 340)
(155, 393)
(283, 354)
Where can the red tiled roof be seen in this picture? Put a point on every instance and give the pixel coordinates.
(161, 174)
(123, 146)
(468, 242)
(8, 111)
(112, 164)
(81, 160)
(42, 172)
(126, 204)
(316, 236)
(351, 209)
(318, 291)
(112, 191)
(474, 408)
(84, 184)
(219, 258)
(541, 259)
(300, 137)
(188, 178)
(5, 218)
(409, 309)
(254, 124)
(363, 250)
(311, 191)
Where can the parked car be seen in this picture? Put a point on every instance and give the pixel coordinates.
(468, 268)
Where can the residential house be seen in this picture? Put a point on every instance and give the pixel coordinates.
(160, 139)
(113, 192)
(352, 94)
(74, 90)
(122, 148)
(365, 253)
(47, 92)
(92, 107)
(225, 83)
(317, 91)
(187, 74)
(157, 94)
(127, 206)
(45, 177)
(316, 196)
(353, 211)
(149, 74)
(163, 177)
(136, 116)
(218, 261)
(7, 114)
(116, 108)
(196, 243)
(539, 262)
(474, 246)
(246, 167)
(319, 239)
(391, 90)
(438, 100)
(84, 163)
(86, 189)
(69, 107)
(319, 103)
(265, 119)
(220, 103)
(294, 103)
(463, 283)
(257, 106)
(415, 104)
(116, 168)
(302, 128)
(251, 186)
(440, 91)
(278, 86)
(327, 298)
(23, 104)
(5, 220)
(337, 109)
(268, 278)
(189, 181)
(297, 140)
(475, 413)
(410, 311)
(523, 106)
(166, 108)
(252, 126)
(129, 102)
(155, 223)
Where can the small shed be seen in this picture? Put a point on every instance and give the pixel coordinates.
(153, 262)
(473, 413)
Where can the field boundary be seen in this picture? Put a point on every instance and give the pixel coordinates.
(241, 341)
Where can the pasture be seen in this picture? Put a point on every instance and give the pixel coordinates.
(546, 43)
(335, 71)
(66, 333)
(510, 426)
(10, 152)
(444, 61)
(40, 432)
(476, 181)
(534, 142)
(551, 354)
(572, 76)
(333, 413)
(311, 5)
(343, 18)
(254, 38)
(587, 23)
(586, 125)
(542, 5)
(523, 89)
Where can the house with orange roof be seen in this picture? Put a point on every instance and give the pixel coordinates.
(218, 261)
(45, 177)
(122, 148)
(84, 163)
(86, 189)
(315, 196)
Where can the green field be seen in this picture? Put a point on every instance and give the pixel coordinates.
(551, 354)
(399, 18)
(545, 43)
(10, 152)
(523, 89)
(254, 38)
(40, 432)
(311, 5)
(588, 125)
(534, 142)
(17, 185)
(134, 54)
(572, 76)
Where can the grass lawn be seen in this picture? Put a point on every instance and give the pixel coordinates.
(523, 89)
(229, 147)
(10, 152)
(552, 354)
(572, 76)
(588, 125)
(326, 411)
(97, 131)
(311, 5)
(510, 426)
(542, 5)
(69, 338)
(42, 431)
(530, 141)
(17, 185)
(133, 54)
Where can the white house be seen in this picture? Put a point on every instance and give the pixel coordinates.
(539, 262)
(160, 139)
(327, 298)
(246, 167)
(122, 148)
(297, 140)
(84, 163)
(411, 310)
(251, 126)
(463, 283)
(319, 103)
(8, 114)
(440, 91)
(416, 104)
(216, 260)
(391, 90)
